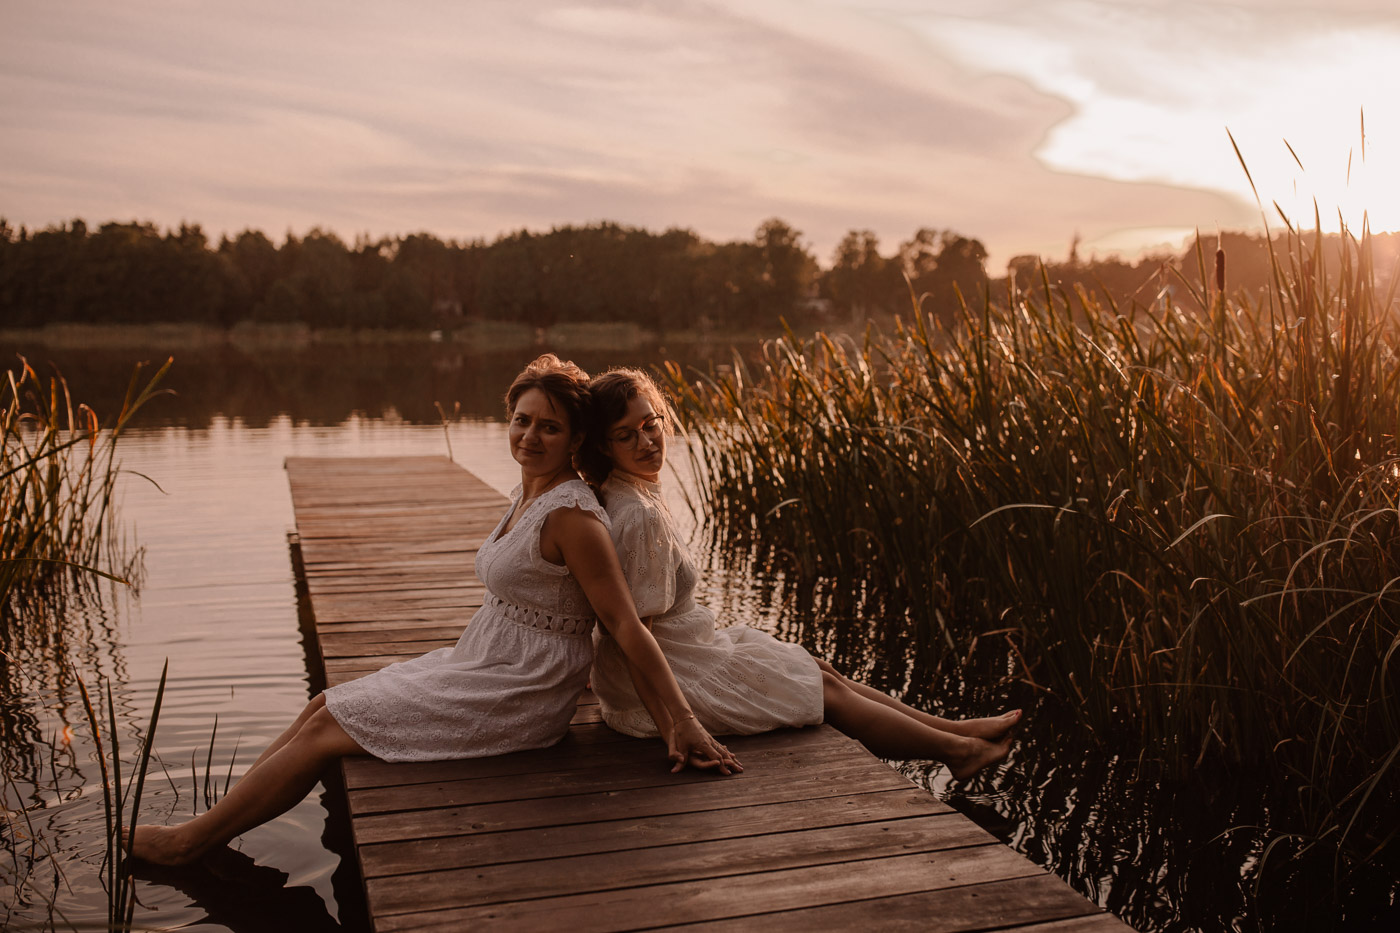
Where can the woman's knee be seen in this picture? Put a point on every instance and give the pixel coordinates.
(317, 702)
(835, 694)
(826, 667)
(325, 734)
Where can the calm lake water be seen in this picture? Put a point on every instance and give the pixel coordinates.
(218, 601)
(204, 497)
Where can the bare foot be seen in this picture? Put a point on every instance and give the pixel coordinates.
(991, 728)
(162, 845)
(978, 754)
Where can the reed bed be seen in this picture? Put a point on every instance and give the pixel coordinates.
(57, 476)
(58, 473)
(1178, 527)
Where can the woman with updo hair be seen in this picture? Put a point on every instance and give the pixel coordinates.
(738, 679)
(513, 679)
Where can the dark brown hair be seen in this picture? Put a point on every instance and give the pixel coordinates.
(612, 392)
(565, 383)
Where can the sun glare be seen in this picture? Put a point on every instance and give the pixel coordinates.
(1158, 113)
(1347, 184)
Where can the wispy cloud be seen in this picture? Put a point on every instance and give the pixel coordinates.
(1018, 122)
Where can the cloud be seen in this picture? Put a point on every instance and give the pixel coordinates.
(1017, 123)
(1155, 86)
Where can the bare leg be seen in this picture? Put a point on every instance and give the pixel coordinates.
(990, 727)
(890, 734)
(282, 780)
(316, 702)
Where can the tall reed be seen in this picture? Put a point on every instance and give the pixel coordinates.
(119, 882)
(57, 475)
(1182, 527)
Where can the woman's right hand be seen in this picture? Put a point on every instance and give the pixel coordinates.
(691, 744)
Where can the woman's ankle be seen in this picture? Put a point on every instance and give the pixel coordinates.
(166, 845)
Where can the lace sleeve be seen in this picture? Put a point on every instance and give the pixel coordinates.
(575, 495)
(571, 495)
(647, 554)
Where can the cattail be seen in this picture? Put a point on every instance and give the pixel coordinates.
(1220, 269)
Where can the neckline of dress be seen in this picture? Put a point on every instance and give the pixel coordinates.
(632, 479)
(518, 496)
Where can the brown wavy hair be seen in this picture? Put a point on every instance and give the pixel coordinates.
(563, 381)
(612, 392)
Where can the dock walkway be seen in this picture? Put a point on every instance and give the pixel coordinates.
(595, 833)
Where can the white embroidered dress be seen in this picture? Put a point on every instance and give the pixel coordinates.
(513, 678)
(736, 679)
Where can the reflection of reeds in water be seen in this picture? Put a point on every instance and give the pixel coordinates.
(57, 475)
(1180, 528)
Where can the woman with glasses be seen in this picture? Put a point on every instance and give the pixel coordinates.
(513, 679)
(737, 679)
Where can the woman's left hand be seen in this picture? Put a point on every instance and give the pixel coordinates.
(690, 744)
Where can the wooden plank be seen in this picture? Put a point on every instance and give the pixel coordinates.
(397, 858)
(595, 833)
(630, 767)
(634, 908)
(993, 905)
(680, 862)
(646, 802)
(581, 748)
(334, 639)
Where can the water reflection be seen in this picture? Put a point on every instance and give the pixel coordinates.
(236, 893)
(1162, 850)
(325, 384)
(220, 601)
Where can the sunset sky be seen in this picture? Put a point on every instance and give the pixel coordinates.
(1016, 122)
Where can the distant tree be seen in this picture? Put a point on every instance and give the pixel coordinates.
(786, 269)
(734, 274)
(466, 261)
(861, 281)
(676, 298)
(322, 279)
(403, 301)
(254, 262)
(39, 275)
(427, 261)
(508, 284)
(961, 269)
(940, 265)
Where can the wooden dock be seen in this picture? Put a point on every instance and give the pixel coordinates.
(596, 833)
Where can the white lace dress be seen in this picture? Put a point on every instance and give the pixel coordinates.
(737, 679)
(513, 678)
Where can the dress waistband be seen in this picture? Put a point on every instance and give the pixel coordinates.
(537, 619)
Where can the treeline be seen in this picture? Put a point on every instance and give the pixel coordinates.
(134, 273)
(1174, 279)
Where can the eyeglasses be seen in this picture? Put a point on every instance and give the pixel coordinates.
(629, 437)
